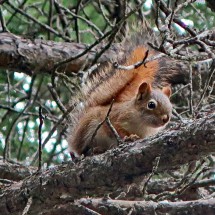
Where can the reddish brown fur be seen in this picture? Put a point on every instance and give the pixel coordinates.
(132, 91)
(122, 85)
(140, 75)
(128, 118)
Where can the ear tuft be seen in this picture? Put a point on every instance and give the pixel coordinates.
(167, 91)
(144, 89)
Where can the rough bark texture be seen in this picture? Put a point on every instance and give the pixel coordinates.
(40, 56)
(104, 173)
(13, 171)
(106, 207)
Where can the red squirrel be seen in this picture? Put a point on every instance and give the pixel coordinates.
(141, 105)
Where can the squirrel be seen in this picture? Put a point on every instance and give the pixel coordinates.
(140, 109)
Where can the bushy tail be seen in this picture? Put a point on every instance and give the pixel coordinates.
(170, 72)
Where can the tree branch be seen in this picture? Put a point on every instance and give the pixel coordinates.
(115, 168)
(143, 207)
(13, 171)
(40, 56)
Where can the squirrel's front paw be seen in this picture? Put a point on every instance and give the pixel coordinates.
(131, 138)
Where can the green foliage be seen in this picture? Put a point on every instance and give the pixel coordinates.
(202, 16)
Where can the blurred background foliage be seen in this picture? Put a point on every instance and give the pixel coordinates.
(81, 21)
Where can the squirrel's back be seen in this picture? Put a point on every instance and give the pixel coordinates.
(119, 84)
(110, 83)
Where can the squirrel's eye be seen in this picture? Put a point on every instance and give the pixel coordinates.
(151, 105)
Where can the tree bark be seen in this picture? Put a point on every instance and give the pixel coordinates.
(106, 207)
(40, 56)
(13, 171)
(104, 173)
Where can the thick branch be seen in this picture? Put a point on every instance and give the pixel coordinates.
(39, 56)
(143, 207)
(115, 168)
(107, 207)
(13, 171)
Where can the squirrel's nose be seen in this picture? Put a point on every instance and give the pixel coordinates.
(165, 119)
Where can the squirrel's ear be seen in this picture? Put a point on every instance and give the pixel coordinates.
(167, 91)
(143, 90)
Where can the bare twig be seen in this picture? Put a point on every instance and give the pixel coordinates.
(56, 97)
(109, 33)
(92, 25)
(35, 157)
(46, 27)
(154, 169)
(191, 89)
(3, 25)
(41, 117)
(134, 66)
(212, 71)
(28, 205)
(119, 140)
